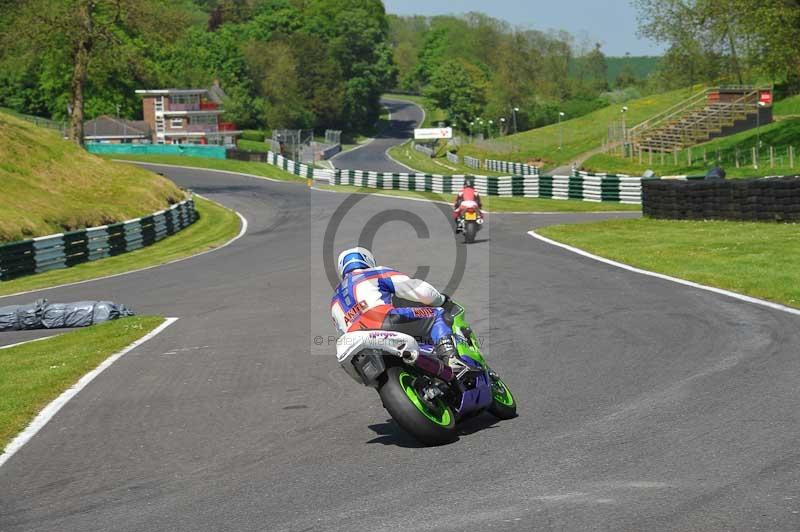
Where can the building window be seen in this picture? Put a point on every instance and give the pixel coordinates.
(205, 119)
(185, 98)
(177, 123)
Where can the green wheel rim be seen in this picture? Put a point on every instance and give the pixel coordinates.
(501, 393)
(442, 418)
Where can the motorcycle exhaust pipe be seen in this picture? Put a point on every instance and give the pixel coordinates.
(434, 366)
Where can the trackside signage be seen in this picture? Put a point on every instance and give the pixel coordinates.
(433, 133)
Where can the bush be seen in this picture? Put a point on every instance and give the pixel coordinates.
(254, 135)
(620, 95)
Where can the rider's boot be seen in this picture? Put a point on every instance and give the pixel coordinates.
(445, 349)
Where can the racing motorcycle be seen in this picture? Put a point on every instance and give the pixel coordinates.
(470, 221)
(425, 395)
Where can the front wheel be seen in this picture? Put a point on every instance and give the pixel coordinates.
(470, 231)
(430, 422)
(503, 404)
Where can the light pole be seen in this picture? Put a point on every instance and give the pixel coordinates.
(560, 130)
(624, 133)
(514, 111)
(502, 126)
(491, 122)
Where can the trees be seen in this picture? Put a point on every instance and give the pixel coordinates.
(71, 39)
(459, 87)
(733, 39)
(331, 58)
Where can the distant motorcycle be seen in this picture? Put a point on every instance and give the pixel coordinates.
(470, 221)
(425, 395)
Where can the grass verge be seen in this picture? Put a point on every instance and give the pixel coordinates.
(579, 135)
(32, 375)
(258, 169)
(758, 259)
(49, 185)
(215, 226)
(780, 135)
(497, 204)
(407, 155)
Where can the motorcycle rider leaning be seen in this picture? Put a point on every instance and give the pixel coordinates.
(468, 197)
(363, 300)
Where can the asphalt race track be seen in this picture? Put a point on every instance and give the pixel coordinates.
(644, 405)
(373, 157)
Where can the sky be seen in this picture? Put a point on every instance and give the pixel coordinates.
(609, 22)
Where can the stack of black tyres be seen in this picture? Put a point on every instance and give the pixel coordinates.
(772, 199)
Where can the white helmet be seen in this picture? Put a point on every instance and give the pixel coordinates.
(354, 259)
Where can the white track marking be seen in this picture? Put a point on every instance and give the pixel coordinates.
(52, 409)
(395, 161)
(728, 293)
(9, 346)
(226, 244)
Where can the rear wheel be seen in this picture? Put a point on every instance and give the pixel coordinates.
(430, 422)
(469, 232)
(503, 406)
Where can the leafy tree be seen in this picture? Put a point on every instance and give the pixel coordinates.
(597, 68)
(459, 88)
(75, 38)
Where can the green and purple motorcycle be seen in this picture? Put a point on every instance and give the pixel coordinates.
(425, 395)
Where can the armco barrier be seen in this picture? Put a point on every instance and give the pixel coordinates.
(587, 187)
(773, 199)
(287, 165)
(453, 157)
(472, 162)
(510, 167)
(68, 249)
(190, 150)
(424, 149)
(607, 187)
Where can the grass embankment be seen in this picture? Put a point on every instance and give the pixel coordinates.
(253, 168)
(780, 135)
(419, 162)
(407, 155)
(253, 145)
(32, 375)
(215, 226)
(49, 185)
(756, 259)
(498, 204)
(580, 135)
(788, 107)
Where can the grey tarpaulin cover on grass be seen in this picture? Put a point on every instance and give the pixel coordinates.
(44, 315)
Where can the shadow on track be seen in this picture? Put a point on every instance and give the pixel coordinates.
(389, 433)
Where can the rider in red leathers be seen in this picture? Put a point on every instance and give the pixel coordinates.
(468, 197)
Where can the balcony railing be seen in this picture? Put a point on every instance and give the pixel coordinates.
(202, 128)
(184, 106)
(211, 128)
(209, 106)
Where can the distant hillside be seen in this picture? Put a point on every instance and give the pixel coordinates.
(49, 185)
(575, 136)
(641, 66)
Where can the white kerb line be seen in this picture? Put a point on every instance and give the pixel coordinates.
(47, 413)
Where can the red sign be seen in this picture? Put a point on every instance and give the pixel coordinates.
(765, 97)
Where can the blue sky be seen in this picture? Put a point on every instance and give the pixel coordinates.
(610, 22)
